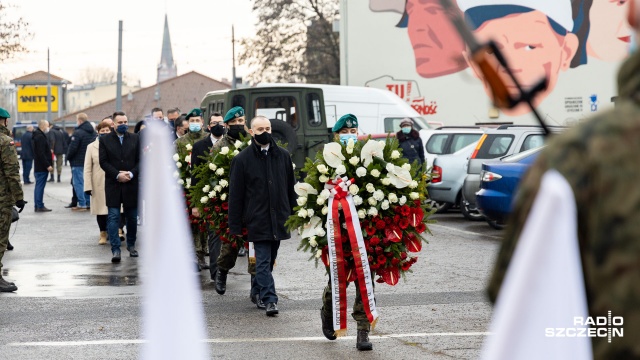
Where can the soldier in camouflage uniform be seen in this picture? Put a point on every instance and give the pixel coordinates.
(10, 190)
(195, 134)
(235, 123)
(599, 159)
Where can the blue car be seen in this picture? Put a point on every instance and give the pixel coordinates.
(498, 185)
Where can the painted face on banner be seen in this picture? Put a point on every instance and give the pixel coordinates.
(533, 51)
(436, 44)
(609, 31)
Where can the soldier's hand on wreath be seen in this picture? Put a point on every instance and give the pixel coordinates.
(20, 205)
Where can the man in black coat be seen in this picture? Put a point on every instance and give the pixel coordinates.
(410, 142)
(58, 141)
(26, 154)
(200, 149)
(261, 198)
(120, 160)
(43, 163)
(81, 138)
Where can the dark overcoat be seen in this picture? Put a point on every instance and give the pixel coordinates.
(116, 157)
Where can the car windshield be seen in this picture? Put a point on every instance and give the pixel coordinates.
(522, 155)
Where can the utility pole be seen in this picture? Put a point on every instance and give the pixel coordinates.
(119, 76)
(48, 89)
(233, 50)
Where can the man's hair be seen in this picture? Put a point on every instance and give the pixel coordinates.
(102, 125)
(173, 111)
(215, 113)
(107, 117)
(259, 117)
(117, 113)
(156, 109)
(42, 123)
(82, 117)
(179, 121)
(29, 127)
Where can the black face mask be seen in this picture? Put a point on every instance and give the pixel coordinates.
(217, 130)
(263, 139)
(236, 130)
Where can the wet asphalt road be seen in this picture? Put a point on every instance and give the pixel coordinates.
(72, 303)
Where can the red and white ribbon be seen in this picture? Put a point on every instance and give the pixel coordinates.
(340, 196)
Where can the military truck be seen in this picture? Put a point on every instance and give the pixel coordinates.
(302, 115)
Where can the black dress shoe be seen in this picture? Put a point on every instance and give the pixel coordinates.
(221, 282)
(242, 252)
(42, 209)
(256, 300)
(327, 327)
(72, 205)
(116, 257)
(362, 342)
(272, 309)
(9, 246)
(132, 251)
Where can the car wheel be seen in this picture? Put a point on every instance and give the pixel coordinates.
(441, 207)
(494, 224)
(468, 213)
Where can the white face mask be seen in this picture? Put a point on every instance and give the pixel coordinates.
(46, 131)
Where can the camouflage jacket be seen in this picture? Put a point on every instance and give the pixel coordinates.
(599, 159)
(190, 138)
(225, 141)
(10, 188)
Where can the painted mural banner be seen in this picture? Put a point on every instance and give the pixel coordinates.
(409, 47)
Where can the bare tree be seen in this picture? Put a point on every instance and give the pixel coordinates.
(97, 75)
(13, 33)
(294, 42)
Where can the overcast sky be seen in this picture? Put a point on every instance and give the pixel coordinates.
(84, 34)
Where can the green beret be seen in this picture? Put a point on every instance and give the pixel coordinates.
(346, 121)
(4, 114)
(193, 113)
(234, 112)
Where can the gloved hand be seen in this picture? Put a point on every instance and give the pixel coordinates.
(88, 192)
(20, 205)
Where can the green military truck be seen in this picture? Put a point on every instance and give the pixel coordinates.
(302, 115)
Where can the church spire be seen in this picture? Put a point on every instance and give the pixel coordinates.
(167, 68)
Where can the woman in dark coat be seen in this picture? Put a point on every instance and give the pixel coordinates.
(410, 142)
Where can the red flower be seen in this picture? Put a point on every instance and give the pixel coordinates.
(217, 208)
(413, 243)
(403, 255)
(370, 230)
(397, 209)
(417, 202)
(388, 254)
(370, 258)
(405, 210)
(380, 224)
(379, 250)
(234, 245)
(388, 220)
(379, 280)
(421, 228)
(396, 218)
(403, 223)
(393, 233)
(225, 206)
(382, 259)
(224, 239)
(395, 261)
(206, 209)
(406, 265)
(245, 231)
(416, 216)
(391, 276)
(374, 241)
(385, 242)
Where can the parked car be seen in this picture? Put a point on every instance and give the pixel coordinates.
(496, 143)
(447, 177)
(498, 184)
(447, 140)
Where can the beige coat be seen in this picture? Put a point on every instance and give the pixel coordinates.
(94, 180)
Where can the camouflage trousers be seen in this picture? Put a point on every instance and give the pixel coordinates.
(358, 314)
(229, 255)
(199, 240)
(59, 161)
(5, 225)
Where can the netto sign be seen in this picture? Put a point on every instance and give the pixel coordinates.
(33, 99)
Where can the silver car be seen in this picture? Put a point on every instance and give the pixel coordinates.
(447, 177)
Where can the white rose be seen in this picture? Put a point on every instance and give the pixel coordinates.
(302, 213)
(353, 189)
(393, 198)
(403, 200)
(320, 232)
(390, 167)
(372, 201)
(301, 200)
(187, 158)
(378, 195)
(217, 188)
(386, 181)
(414, 195)
(180, 181)
(224, 150)
(375, 173)
(372, 211)
(224, 183)
(189, 147)
(235, 152)
(206, 188)
(318, 254)
(322, 168)
(320, 200)
(220, 172)
(395, 154)
(212, 166)
(176, 174)
(204, 199)
(310, 212)
(176, 157)
(406, 166)
(179, 164)
(361, 171)
(188, 186)
(370, 188)
(350, 143)
(349, 150)
(188, 181)
(361, 214)
(354, 160)
(384, 205)
(237, 144)
(313, 242)
(413, 184)
(223, 197)
(340, 170)
(323, 179)
(211, 194)
(325, 193)
(325, 210)
(357, 200)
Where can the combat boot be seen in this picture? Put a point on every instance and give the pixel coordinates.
(362, 342)
(221, 281)
(201, 262)
(58, 177)
(6, 286)
(327, 328)
(103, 238)
(9, 246)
